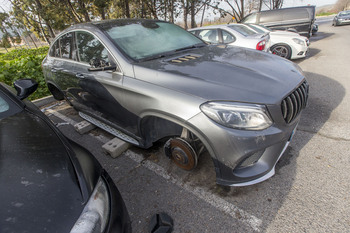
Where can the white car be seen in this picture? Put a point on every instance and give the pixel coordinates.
(285, 44)
(233, 34)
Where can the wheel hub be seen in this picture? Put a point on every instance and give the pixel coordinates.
(182, 153)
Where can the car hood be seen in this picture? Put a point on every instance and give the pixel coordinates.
(224, 73)
(40, 192)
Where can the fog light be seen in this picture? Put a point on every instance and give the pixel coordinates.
(300, 53)
(251, 159)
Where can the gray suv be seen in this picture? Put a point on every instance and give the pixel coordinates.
(147, 80)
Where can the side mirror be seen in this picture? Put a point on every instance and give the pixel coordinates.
(101, 65)
(25, 87)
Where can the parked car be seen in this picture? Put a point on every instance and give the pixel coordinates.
(314, 29)
(285, 44)
(300, 19)
(50, 184)
(233, 34)
(147, 80)
(341, 18)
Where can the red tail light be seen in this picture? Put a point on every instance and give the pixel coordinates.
(261, 45)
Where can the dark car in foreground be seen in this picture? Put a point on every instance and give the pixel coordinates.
(147, 80)
(48, 183)
(342, 18)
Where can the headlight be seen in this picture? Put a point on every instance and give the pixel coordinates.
(298, 41)
(237, 115)
(94, 217)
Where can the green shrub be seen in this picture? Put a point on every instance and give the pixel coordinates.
(24, 63)
(18, 53)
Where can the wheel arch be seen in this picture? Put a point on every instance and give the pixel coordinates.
(156, 126)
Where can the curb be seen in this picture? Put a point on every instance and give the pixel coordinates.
(44, 101)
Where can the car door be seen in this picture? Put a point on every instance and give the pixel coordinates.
(60, 62)
(100, 93)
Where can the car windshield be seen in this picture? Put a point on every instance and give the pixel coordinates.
(345, 13)
(147, 39)
(242, 29)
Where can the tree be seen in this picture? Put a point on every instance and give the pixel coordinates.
(341, 5)
(5, 42)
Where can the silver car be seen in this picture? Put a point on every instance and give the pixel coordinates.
(147, 80)
(342, 18)
(234, 34)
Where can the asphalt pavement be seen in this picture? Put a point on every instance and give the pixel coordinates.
(309, 192)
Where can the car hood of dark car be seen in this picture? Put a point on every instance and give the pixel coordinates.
(40, 192)
(224, 73)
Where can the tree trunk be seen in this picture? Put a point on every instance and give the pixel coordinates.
(84, 11)
(43, 16)
(203, 15)
(185, 13)
(126, 9)
(172, 11)
(43, 31)
(193, 14)
(73, 13)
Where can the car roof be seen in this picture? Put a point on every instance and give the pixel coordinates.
(111, 22)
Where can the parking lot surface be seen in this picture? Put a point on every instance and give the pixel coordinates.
(309, 192)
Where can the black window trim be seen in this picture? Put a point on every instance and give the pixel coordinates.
(119, 68)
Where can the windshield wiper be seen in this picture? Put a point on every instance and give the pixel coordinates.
(190, 47)
(166, 54)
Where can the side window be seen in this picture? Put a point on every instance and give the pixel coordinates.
(55, 49)
(66, 43)
(209, 35)
(90, 48)
(227, 37)
(7, 107)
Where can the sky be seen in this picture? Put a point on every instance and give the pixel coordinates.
(291, 3)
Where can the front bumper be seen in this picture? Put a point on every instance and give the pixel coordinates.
(299, 51)
(244, 157)
(343, 22)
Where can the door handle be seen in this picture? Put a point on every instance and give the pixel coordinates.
(79, 76)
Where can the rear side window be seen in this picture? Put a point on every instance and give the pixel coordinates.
(55, 49)
(66, 44)
(209, 35)
(90, 48)
(227, 37)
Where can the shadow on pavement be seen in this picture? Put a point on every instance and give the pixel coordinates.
(320, 36)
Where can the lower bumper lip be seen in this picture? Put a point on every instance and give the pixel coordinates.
(266, 176)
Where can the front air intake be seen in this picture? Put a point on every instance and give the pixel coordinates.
(295, 102)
